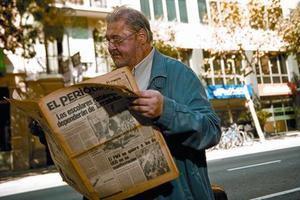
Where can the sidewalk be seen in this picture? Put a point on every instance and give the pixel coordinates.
(19, 182)
(284, 140)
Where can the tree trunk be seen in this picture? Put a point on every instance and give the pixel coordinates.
(47, 55)
(297, 111)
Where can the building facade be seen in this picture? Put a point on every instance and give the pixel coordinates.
(193, 23)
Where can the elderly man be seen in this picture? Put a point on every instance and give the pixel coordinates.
(173, 98)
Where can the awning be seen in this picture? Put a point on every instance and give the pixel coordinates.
(274, 89)
(230, 91)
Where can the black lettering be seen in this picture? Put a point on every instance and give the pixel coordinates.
(52, 105)
(63, 100)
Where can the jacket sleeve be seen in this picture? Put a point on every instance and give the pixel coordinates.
(188, 111)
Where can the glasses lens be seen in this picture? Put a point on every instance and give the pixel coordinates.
(118, 40)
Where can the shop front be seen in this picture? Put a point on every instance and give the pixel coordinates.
(276, 99)
(229, 101)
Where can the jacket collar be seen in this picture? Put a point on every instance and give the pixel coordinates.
(159, 70)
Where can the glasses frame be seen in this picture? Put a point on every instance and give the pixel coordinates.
(118, 41)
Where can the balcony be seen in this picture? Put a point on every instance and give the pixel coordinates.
(89, 8)
(87, 3)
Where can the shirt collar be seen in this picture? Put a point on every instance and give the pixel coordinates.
(144, 63)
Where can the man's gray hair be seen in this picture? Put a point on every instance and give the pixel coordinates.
(133, 18)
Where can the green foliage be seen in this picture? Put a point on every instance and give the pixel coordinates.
(263, 116)
(229, 15)
(24, 23)
(244, 117)
(264, 16)
(169, 50)
(259, 16)
(99, 39)
(290, 30)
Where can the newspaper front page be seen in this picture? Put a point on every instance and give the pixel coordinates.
(99, 147)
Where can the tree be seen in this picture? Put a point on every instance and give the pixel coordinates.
(237, 29)
(164, 37)
(165, 44)
(101, 49)
(24, 23)
(289, 28)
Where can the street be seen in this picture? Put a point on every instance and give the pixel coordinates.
(55, 193)
(268, 175)
(273, 173)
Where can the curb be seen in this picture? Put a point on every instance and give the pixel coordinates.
(289, 139)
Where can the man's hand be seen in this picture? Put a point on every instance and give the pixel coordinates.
(149, 104)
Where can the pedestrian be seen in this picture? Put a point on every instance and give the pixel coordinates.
(172, 96)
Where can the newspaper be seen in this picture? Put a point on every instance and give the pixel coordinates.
(99, 147)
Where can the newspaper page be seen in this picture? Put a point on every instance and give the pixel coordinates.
(109, 154)
(30, 107)
(77, 67)
(120, 77)
(67, 73)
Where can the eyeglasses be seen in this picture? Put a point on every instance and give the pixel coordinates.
(117, 41)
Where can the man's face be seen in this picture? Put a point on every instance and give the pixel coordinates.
(123, 45)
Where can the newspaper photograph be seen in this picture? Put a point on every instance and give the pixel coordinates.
(126, 161)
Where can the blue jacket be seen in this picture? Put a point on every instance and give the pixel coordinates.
(189, 126)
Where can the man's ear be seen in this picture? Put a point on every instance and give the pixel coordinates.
(142, 36)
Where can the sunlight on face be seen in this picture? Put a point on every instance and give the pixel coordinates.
(122, 44)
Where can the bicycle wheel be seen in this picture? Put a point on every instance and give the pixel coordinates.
(248, 138)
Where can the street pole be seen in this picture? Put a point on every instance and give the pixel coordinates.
(253, 114)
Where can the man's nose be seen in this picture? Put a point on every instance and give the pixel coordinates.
(111, 45)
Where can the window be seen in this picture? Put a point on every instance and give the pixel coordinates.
(276, 79)
(223, 69)
(202, 10)
(219, 81)
(208, 81)
(145, 8)
(257, 69)
(182, 11)
(158, 9)
(273, 68)
(285, 79)
(171, 10)
(99, 3)
(282, 63)
(264, 61)
(217, 66)
(266, 80)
